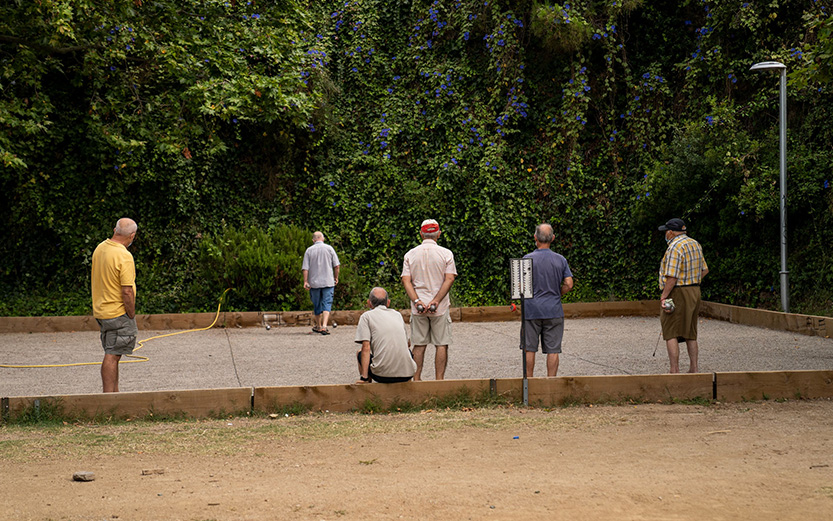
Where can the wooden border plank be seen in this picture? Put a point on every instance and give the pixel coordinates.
(197, 403)
(639, 308)
(595, 389)
(804, 324)
(811, 325)
(762, 385)
(343, 398)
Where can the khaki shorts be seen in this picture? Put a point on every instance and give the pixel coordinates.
(430, 329)
(682, 322)
(118, 335)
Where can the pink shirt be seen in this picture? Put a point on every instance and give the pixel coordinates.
(427, 265)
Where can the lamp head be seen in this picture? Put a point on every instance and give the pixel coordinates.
(765, 66)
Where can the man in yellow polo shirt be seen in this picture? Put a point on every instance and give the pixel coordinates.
(114, 300)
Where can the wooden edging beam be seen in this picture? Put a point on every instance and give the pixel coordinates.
(811, 325)
(343, 398)
(197, 403)
(773, 385)
(804, 324)
(546, 392)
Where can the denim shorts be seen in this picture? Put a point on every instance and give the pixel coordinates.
(118, 335)
(322, 299)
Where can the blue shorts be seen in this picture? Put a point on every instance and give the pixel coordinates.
(322, 299)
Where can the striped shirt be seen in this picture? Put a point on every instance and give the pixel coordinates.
(684, 261)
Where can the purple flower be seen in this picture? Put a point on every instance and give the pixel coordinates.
(332, 183)
(370, 205)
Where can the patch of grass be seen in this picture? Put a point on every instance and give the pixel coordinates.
(698, 400)
(292, 409)
(42, 412)
(372, 406)
(464, 399)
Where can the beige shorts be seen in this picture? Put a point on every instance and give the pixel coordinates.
(431, 329)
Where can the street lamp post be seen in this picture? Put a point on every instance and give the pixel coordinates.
(785, 289)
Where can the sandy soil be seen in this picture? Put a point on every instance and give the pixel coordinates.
(726, 461)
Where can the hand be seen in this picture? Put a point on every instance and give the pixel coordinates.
(336, 280)
(306, 285)
(432, 306)
(361, 382)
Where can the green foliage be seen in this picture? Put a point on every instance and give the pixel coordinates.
(263, 268)
(363, 118)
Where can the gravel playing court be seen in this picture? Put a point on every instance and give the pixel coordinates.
(293, 356)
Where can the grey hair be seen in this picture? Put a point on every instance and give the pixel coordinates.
(376, 300)
(125, 227)
(544, 233)
(433, 235)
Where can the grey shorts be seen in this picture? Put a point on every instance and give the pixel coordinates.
(118, 335)
(549, 330)
(431, 329)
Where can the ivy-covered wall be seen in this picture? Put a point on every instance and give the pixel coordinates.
(362, 118)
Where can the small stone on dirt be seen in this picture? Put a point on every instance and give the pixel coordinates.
(83, 475)
(148, 472)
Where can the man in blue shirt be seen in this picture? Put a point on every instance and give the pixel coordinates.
(544, 315)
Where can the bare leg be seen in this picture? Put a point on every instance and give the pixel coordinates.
(325, 317)
(552, 364)
(110, 373)
(693, 353)
(419, 358)
(359, 359)
(441, 361)
(673, 354)
(530, 363)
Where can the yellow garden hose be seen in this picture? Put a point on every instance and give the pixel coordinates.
(140, 344)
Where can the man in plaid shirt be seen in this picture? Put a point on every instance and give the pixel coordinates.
(682, 269)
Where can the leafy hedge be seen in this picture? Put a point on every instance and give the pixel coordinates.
(201, 118)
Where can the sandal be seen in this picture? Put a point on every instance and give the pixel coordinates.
(316, 329)
(324, 331)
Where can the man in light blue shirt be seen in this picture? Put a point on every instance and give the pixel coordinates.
(544, 315)
(320, 268)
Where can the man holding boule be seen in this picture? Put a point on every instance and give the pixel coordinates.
(428, 272)
(683, 268)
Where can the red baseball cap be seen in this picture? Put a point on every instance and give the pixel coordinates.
(429, 226)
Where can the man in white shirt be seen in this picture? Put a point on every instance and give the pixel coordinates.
(384, 356)
(320, 268)
(427, 274)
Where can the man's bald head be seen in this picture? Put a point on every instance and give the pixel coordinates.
(317, 236)
(544, 233)
(378, 297)
(125, 227)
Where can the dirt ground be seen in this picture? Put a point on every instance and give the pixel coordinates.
(720, 462)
